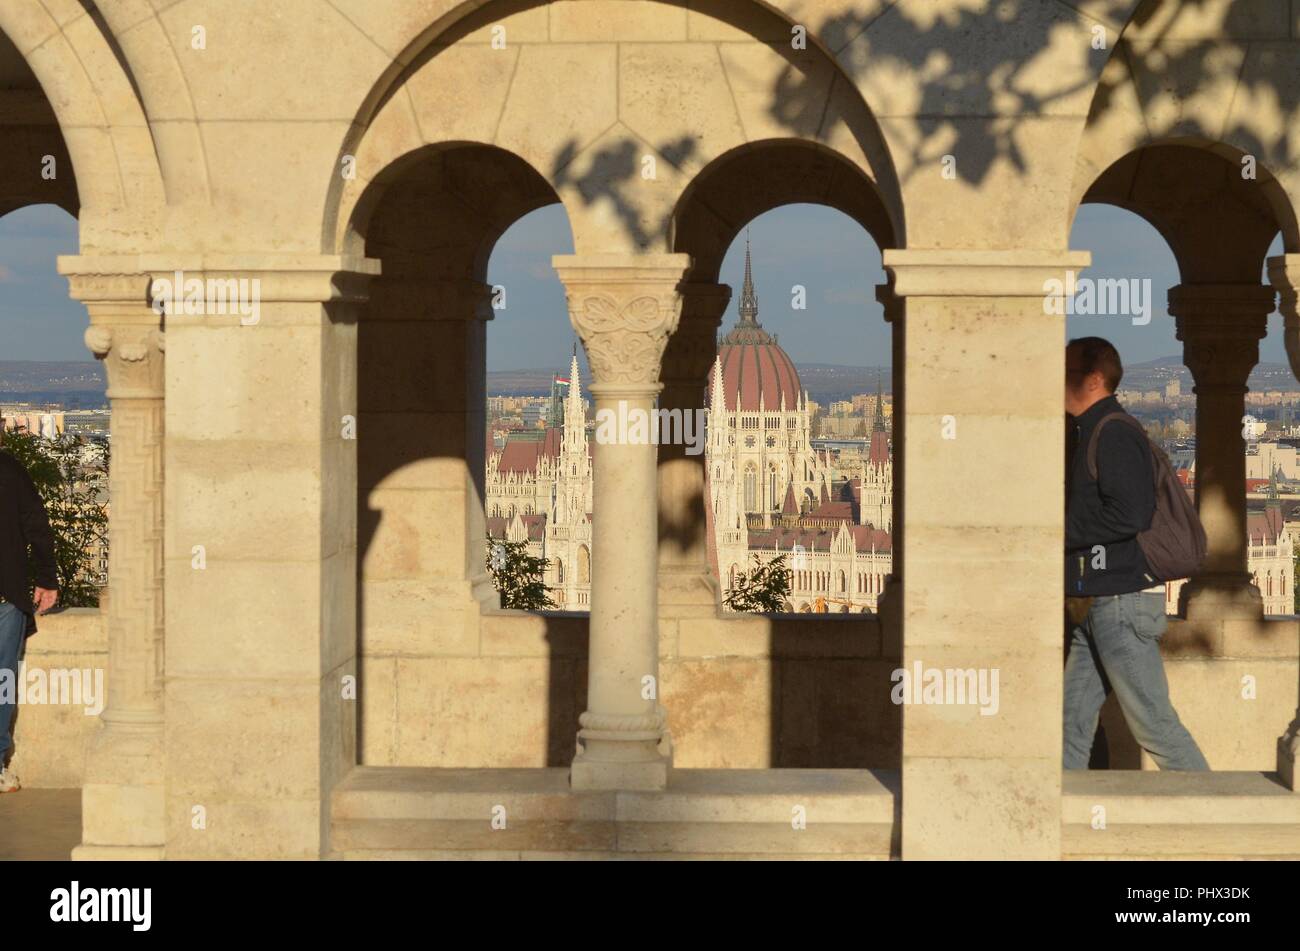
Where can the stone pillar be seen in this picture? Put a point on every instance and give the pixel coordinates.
(1220, 326)
(624, 307)
(421, 435)
(982, 503)
(260, 549)
(890, 603)
(687, 586)
(122, 804)
(1284, 276)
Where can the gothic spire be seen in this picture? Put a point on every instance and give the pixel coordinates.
(748, 329)
(748, 299)
(878, 424)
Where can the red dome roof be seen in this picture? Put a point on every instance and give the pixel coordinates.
(752, 363)
(758, 369)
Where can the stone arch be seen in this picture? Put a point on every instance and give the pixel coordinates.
(744, 183)
(1218, 225)
(85, 83)
(431, 218)
(710, 99)
(1176, 79)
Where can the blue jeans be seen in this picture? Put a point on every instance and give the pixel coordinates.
(13, 637)
(1118, 647)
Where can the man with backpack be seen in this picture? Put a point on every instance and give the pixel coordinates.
(1129, 528)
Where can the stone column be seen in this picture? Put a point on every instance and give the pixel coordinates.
(890, 604)
(1220, 326)
(687, 586)
(421, 436)
(260, 551)
(624, 307)
(983, 480)
(122, 804)
(1284, 276)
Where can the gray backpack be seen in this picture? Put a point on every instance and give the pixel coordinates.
(1174, 545)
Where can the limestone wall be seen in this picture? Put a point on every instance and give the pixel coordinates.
(753, 692)
(50, 739)
(746, 692)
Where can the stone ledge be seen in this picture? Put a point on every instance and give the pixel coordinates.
(1179, 815)
(392, 812)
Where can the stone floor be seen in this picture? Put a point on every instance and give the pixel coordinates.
(39, 824)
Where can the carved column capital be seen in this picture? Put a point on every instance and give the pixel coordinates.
(1220, 326)
(125, 333)
(624, 307)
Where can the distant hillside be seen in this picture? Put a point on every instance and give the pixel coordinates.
(74, 384)
(825, 382)
(1153, 374)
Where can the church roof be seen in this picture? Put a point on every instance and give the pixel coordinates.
(523, 455)
(498, 525)
(839, 509)
(1263, 528)
(815, 539)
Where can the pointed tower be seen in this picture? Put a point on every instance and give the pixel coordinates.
(878, 424)
(748, 298)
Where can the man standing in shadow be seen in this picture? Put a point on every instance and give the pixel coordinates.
(24, 527)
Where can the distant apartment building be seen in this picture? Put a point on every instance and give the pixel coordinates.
(1264, 459)
(47, 424)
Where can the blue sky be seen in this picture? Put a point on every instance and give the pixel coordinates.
(822, 249)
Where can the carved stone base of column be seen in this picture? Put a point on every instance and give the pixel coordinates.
(687, 592)
(1221, 597)
(123, 807)
(1288, 755)
(622, 753)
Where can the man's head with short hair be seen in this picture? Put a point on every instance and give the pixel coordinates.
(1092, 372)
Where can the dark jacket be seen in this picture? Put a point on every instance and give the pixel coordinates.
(1109, 510)
(23, 525)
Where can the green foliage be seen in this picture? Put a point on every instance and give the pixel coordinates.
(71, 475)
(762, 590)
(1295, 591)
(518, 575)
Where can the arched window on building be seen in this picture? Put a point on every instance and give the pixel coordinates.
(584, 565)
(843, 583)
(751, 489)
(559, 571)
